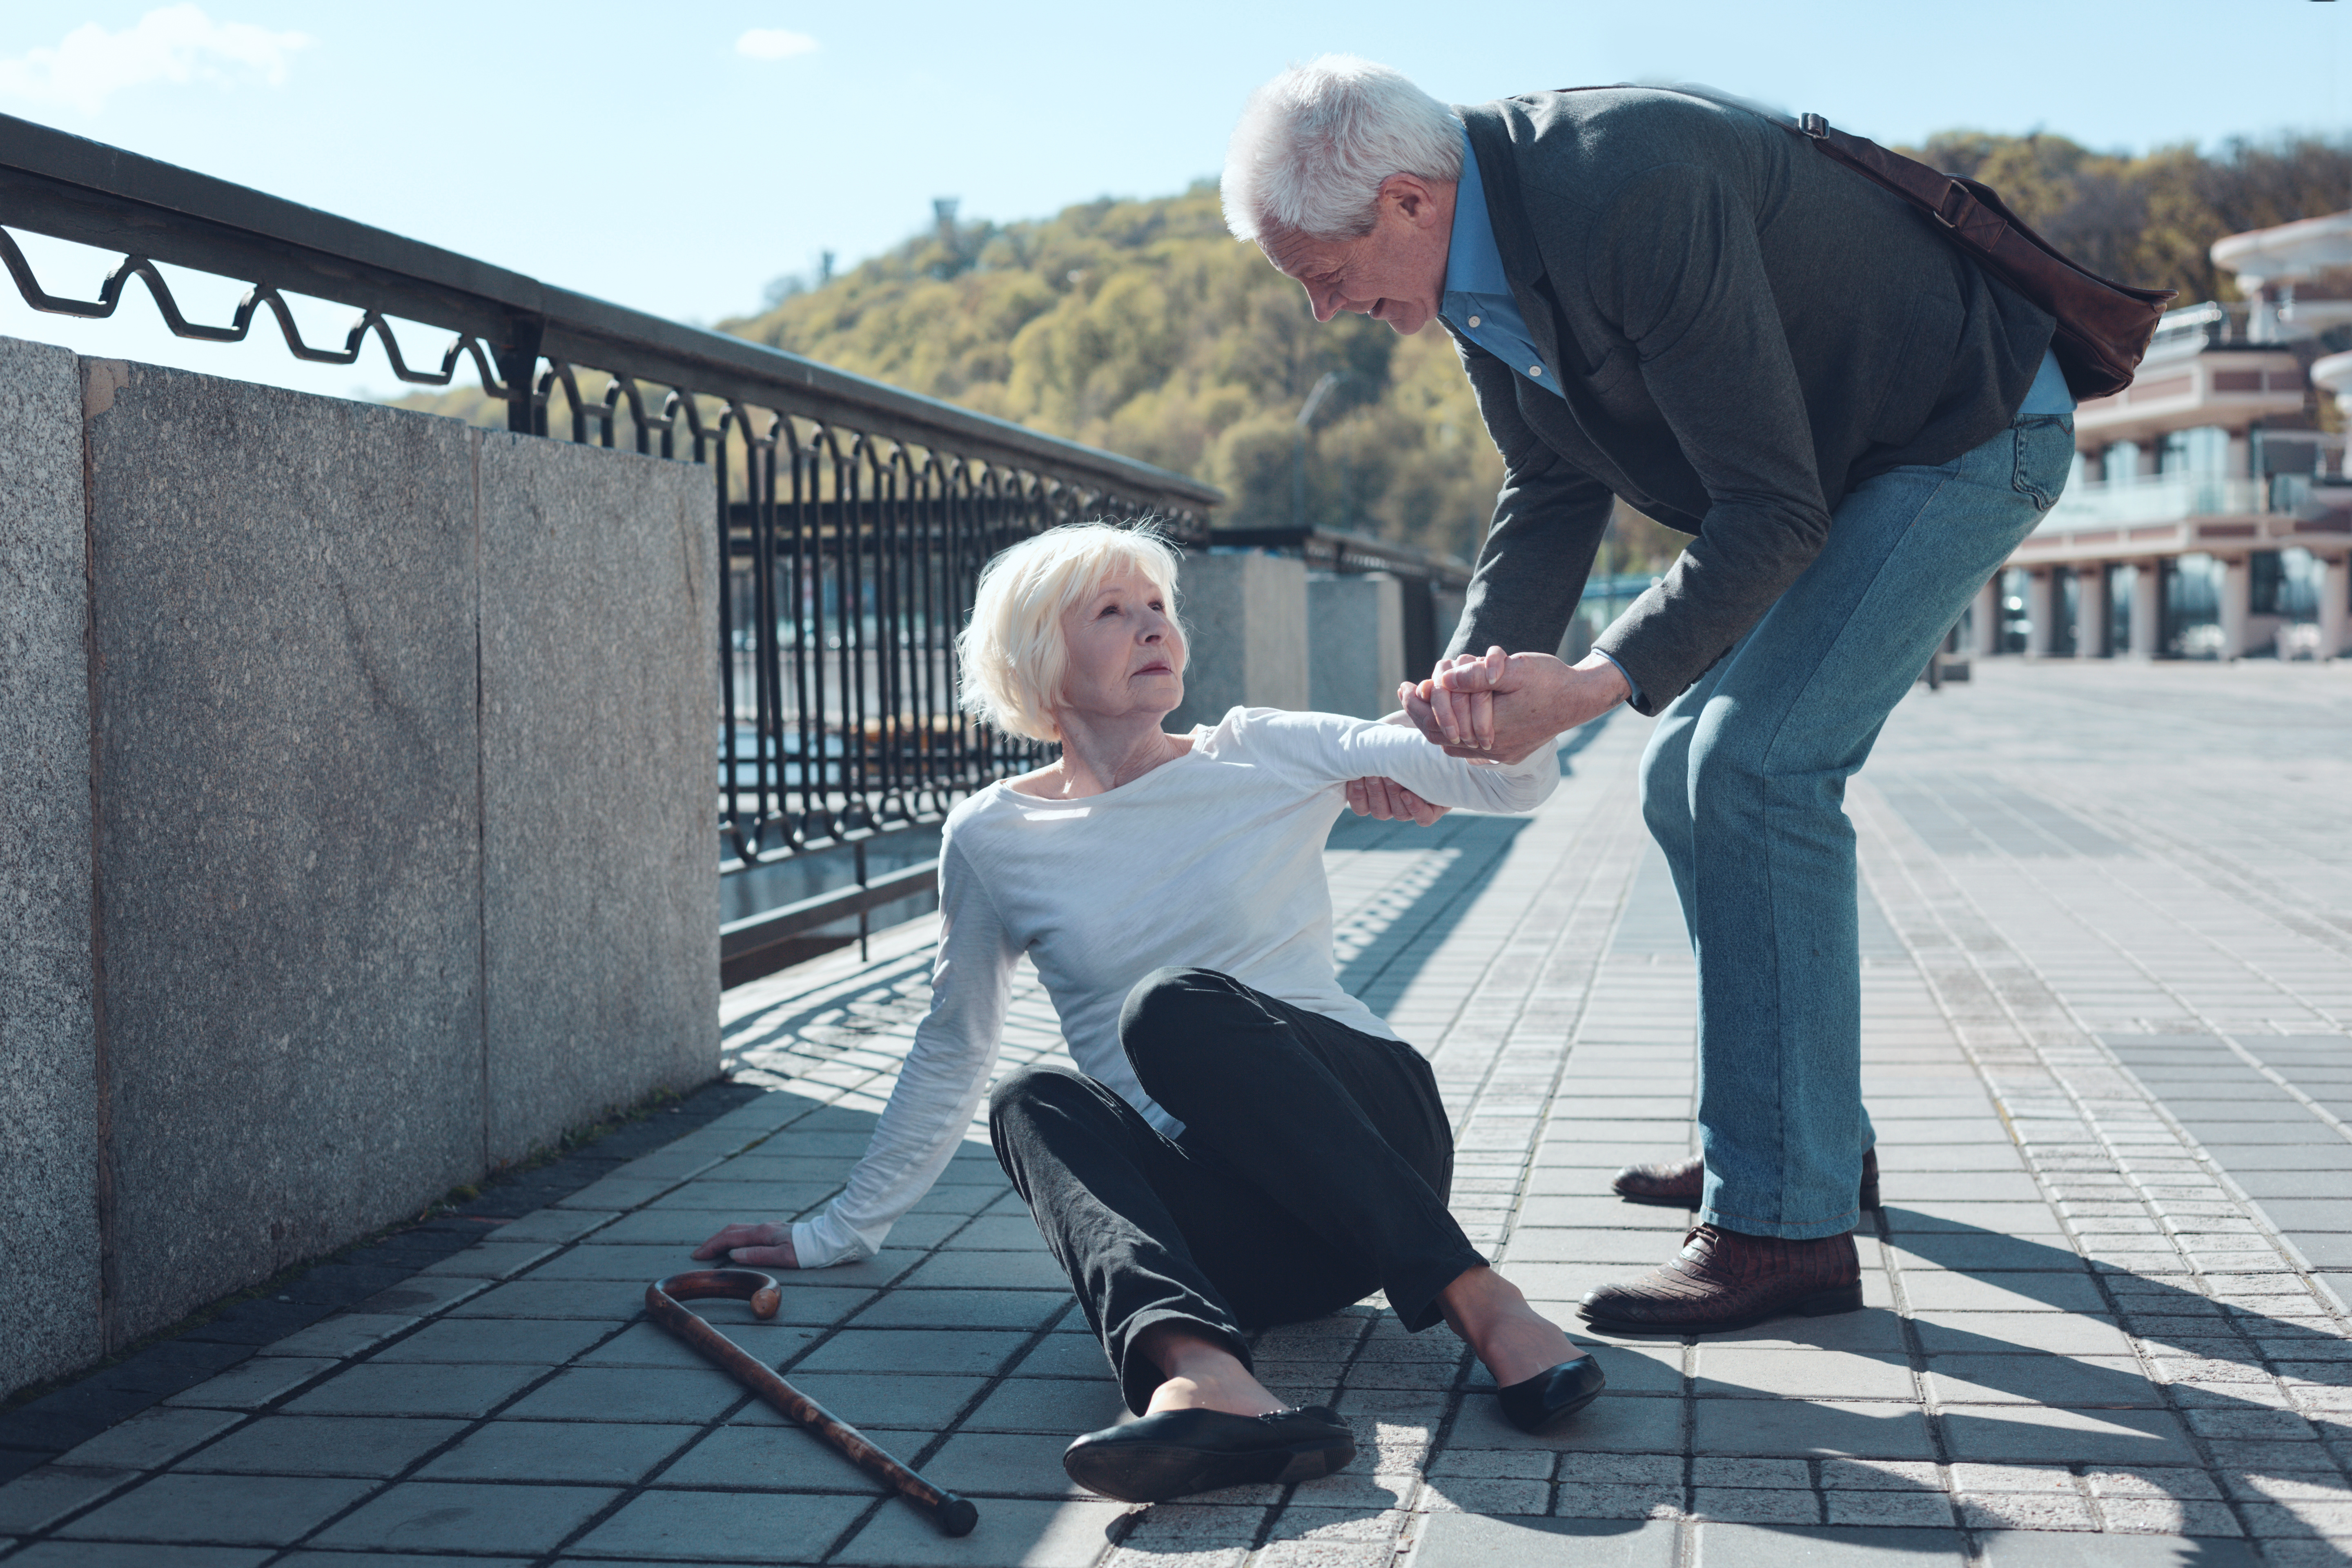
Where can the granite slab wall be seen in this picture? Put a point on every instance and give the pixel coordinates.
(599, 817)
(289, 836)
(49, 1065)
(1355, 630)
(1246, 617)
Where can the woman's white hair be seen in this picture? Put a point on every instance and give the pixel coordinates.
(1012, 658)
(1315, 143)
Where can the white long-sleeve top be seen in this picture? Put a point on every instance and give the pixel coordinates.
(1211, 860)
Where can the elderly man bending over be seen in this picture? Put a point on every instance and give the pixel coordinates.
(1673, 299)
(1246, 1144)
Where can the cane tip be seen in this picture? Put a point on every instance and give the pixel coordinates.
(956, 1515)
(765, 1300)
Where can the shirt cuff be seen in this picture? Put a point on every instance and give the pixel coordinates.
(1633, 687)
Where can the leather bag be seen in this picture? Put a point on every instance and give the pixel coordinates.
(2104, 327)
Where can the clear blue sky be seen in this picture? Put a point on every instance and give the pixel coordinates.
(638, 155)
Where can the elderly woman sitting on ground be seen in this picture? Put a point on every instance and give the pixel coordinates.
(1246, 1144)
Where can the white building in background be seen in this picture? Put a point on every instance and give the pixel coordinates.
(2204, 518)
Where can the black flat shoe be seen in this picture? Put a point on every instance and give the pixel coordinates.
(1178, 1452)
(1550, 1397)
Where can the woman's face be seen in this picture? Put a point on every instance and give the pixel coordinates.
(1125, 651)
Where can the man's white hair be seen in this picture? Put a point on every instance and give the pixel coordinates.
(1315, 143)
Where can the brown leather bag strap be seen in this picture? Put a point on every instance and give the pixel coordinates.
(2103, 327)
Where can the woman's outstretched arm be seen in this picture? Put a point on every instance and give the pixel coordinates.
(939, 1087)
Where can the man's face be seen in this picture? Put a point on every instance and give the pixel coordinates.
(1395, 274)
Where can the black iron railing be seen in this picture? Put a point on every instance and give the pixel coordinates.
(854, 515)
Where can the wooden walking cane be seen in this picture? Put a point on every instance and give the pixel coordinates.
(952, 1514)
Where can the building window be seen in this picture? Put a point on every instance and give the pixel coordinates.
(2066, 604)
(2122, 582)
(2300, 577)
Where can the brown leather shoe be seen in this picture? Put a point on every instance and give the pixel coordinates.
(1679, 1181)
(1723, 1280)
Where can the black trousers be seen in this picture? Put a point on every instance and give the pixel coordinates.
(1313, 1170)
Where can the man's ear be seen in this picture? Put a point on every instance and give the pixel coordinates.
(1415, 200)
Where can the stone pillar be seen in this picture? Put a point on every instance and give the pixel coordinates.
(50, 1155)
(2237, 594)
(2091, 611)
(1355, 633)
(2332, 606)
(1985, 624)
(1247, 614)
(2040, 595)
(2146, 608)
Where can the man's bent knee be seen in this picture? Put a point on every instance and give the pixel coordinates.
(1167, 1008)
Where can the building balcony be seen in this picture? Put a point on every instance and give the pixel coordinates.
(2170, 514)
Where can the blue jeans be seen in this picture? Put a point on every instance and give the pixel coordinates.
(1744, 788)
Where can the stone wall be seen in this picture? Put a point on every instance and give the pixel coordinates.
(1245, 614)
(400, 860)
(49, 1103)
(1354, 629)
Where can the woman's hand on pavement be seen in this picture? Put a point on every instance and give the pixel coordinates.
(1502, 708)
(752, 1245)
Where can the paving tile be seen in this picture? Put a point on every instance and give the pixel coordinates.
(1743, 1371)
(1929, 1509)
(783, 1458)
(376, 1446)
(531, 1343)
(132, 1555)
(1472, 1541)
(988, 1270)
(618, 1453)
(461, 1516)
(420, 1389)
(1996, 1334)
(2033, 1379)
(1081, 1355)
(1827, 1546)
(1011, 1533)
(708, 1527)
(238, 1510)
(341, 1335)
(150, 1439)
(254, 1384)
(2003, 1291)
(1612, 1424)
(1044, 1405)
(1858, 1428)
(39, 1498)
(629, 1394)
(931, 1350)
(395, 1560)
(1003, 1464)
(609, 1299)
(2044, 1549)
(911, 1308)
(422, 1296)
(490, 1259)
(650, 1344)
(2041, 1434)
(900, 1402)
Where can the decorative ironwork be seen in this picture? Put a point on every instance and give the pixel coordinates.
(853, 516)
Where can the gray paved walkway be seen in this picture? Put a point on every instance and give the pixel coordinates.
(2107, 923)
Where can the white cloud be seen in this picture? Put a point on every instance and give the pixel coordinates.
(774, 43)
(177, 43)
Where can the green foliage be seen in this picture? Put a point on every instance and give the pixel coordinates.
(1142, 327)
(2151, 220)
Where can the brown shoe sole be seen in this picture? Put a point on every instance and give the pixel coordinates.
(1819, 1304)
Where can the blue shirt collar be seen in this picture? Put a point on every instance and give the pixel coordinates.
(1473, 262)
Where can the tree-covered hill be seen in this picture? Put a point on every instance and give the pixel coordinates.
(1142, 327)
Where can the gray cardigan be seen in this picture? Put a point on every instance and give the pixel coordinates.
(1743, 331)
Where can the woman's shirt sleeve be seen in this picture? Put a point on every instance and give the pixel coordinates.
(1331, 748)
(940, 1085)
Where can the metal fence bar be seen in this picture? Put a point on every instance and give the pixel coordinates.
(852, 516)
